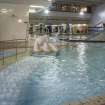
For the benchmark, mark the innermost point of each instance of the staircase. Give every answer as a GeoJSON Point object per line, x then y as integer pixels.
{"type": "Point", "coordinates": [98, 36]}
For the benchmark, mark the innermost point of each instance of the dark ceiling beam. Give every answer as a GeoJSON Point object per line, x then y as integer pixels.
{"type": "Point", "coordinates": [88, 2]}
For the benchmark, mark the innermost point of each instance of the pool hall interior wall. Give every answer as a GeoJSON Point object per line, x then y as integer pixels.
{"type": "Point", "coordinates": [98, 15]}
{"type": "Point", "coordinates": [10, 28]}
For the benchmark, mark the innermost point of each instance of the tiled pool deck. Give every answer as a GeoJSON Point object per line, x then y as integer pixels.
{"type": "Point", "coordinates": [99, 100]}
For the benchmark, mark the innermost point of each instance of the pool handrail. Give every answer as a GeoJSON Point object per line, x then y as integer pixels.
{"type": "Point", "coordinates": [5, 44]}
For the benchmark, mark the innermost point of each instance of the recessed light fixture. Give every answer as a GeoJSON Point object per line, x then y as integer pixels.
{"type": "Point", "coordinates": [46, 11]}
{"type": "Point", "coordinates": [81, 13]}
{"type": "Point", "coordinates": [35, 6]}
{"type": "Point", "coordinates": [4, 10]}
{"type": "Point", "coordinates": [84, 9]}
{"type": "Point", "coordinates": [84, 24]}
{"type": "Point", "coordinates": [32, 10]}
{"type": "Point", "coordinates": [20, 20]}
{"type": "Point", "coordinates": [79, 25]}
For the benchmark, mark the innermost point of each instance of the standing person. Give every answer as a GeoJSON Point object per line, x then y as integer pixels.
{"type": "Point", "coordinates": [41, 28]}
{"type": "Point", "coordinates": [56, 29]}
{"type": "Point", "coordinates": [50, 29]}
{"type": "Point", "coordinates": [31, 30]}
{"type": "Point", "coordinates": [67, 28]}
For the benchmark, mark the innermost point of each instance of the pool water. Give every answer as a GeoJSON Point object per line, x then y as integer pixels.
{"type": "Point", "coordinates": [76, 74]}
{"type": "Point", "coordinates": [7, 53]}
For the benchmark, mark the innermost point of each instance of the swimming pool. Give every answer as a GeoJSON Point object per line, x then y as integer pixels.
{"type": "Point", "coordinates": [76, 74]}
{"type": "Point", "coordinates": [7, 53]}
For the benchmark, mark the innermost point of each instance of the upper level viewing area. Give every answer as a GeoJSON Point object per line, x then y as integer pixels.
{"type": "Point", "coordinates": [17, 15]}
{"type": "Point", "coordinates": [70, 7]}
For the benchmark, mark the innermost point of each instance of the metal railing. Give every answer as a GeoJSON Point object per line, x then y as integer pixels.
{"type": "Point", "coordinates": [14, 45]}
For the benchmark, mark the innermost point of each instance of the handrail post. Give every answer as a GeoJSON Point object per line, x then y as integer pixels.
{"type": "Point", "coordinates": [25, 45]}
{"type": "Point", "coordinates": [3, 53]}
{"type": "Point", "coordinates": [4, 46]}
{"type": "Point", "coordinates": [16, 50]}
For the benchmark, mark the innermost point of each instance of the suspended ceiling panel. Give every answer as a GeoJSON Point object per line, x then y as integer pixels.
{"type": "Point", "coordinates": [98, 1]}
{"type": "Point", "coordinates": [41, 2]}
{"type": "Point", "coordinates": [46, 1]}
{"type": "Point", "coordinates": [81, 1]}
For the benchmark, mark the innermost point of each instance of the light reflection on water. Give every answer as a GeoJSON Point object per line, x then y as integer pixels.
{"type": "Point", "coordinates": [75, 74]}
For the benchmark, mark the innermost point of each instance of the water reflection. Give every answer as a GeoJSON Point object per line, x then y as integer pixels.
{"type": "Point", "coordinates": [81, 50]}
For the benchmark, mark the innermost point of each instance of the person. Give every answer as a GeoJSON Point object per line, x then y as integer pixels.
{"type": "Point", "coordinates": [56, 29]}
{"type": "Point", "coordinates": [41, 28]}
{"type": "Point", "coordinates": [42, 45]}
{"type": "Point", "coordinates": [31, 30]}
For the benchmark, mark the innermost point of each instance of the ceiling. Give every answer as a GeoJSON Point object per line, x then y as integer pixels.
{"type": "Point", "coordinates": [45, 2]}
{"type": "Point", "coordinates": [82, 1]}
{"type": "Point", "coordinates": [37, 2]}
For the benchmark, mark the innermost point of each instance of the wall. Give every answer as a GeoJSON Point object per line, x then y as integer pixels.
{"type": "Point", "coordinates": [9, 26]}
{"type": "Point", "coordinates": [59, 17]}
{"type": "Point", "coordinates": [98, 15]}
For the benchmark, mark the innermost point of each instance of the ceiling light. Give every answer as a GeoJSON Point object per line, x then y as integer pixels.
{"type": "Point", "coordinates": [84, 24]}
{"type": "Point", "coordinates": [20, 20]}
{"type": "Point", "coordinates": [34, 6]}
{"type": "Point", "coordinates": [4, 10]}
{"type": "Point", "coordinates": [46, 11]}
{"type": "Point", "coordinates": [81, 13]}
{"type": "Point", "coordinates": [79, 25]}
{"type": "Point", "coordinates": [84, 9]}
{"type": "Point", "coordinates": [32, 10]}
